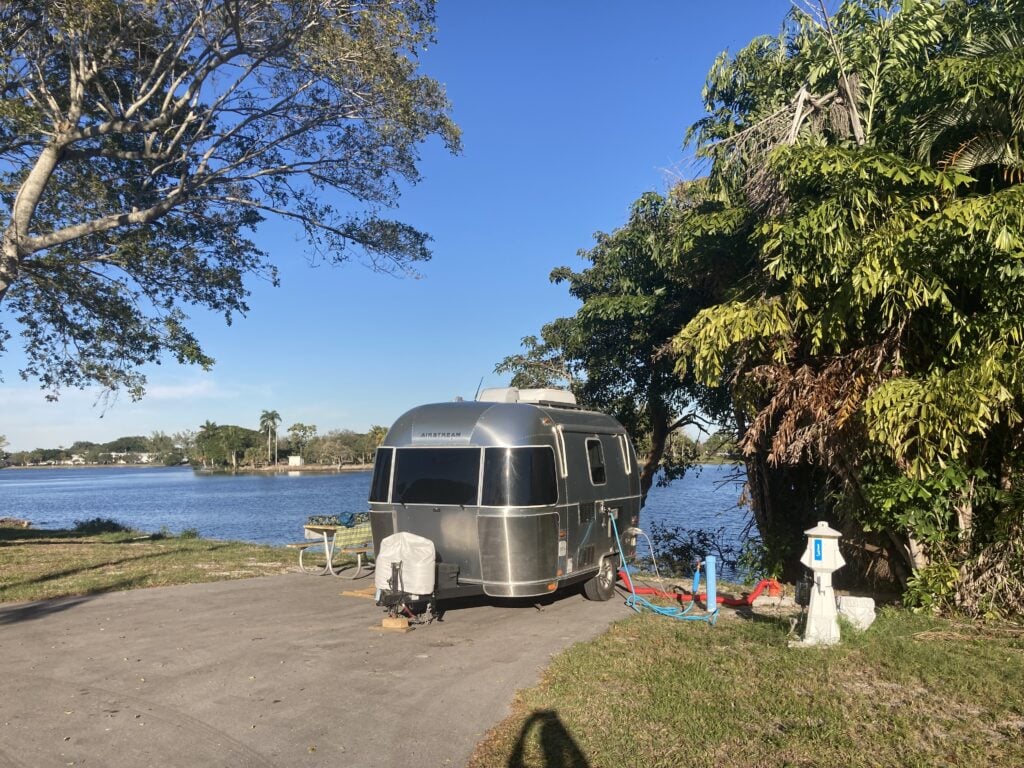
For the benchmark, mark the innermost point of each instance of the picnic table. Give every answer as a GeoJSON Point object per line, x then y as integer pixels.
{"type": "Point", "coordinates": [337, 539]}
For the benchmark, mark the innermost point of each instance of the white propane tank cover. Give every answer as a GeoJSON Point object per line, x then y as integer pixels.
{"type": "Point", "coordinates": [822, 554]}
{"type": "Point", "coordinates": [417, 556]}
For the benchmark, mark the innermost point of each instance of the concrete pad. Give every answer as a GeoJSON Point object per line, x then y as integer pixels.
{"type": "Point", "coordinates": [277, 671]}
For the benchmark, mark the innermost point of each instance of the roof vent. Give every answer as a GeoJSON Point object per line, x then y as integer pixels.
{"type": "Point", "coordinates": [516, 395]}
{"type": "Point", "coordinates": [499, 395]}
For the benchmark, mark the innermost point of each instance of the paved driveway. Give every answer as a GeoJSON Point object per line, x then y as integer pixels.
{"type": "Point", "coordinates": [278, 671]}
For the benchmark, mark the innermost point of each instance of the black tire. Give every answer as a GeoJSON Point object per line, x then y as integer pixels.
{"type": "Point", "coordinates": [602, 586]}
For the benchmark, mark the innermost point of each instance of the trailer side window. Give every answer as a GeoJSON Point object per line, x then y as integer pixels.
{"type": "Point", "coordinates": [381, 483]}
{"type": "Point", "coordinates": [519, 477]}
{"type": "Point", "coordinates": [595, 458]}
{"type": "Point", "coordinates": [436, 476]}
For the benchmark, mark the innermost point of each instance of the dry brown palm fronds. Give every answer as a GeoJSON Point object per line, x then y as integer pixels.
{"type": "Point", "coordinates": [744, 155]}
{"type": "Point", "coordinates": [810, 415]}
{"type": "Point", "coordinates": [992, 584]}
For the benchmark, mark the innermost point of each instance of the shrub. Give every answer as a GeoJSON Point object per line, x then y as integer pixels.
{"type": "Point", "coordinates": [99, 525]}
{"type": "Point", "coordinates": [678, 549]}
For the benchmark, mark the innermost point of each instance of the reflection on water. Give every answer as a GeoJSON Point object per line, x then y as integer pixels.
{"type": "Point", "coordinates": [270, 508]}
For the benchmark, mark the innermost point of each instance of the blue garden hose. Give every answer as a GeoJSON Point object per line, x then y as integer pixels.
{"type": "Point", "coordinates": [639, 603]}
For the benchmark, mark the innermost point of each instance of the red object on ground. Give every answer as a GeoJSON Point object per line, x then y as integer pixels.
{"type": "Point", "coordinates": [772, 585]}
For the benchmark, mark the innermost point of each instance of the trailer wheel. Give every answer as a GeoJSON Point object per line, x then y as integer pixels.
{"type": "Point", "coordinates": [602, 586]}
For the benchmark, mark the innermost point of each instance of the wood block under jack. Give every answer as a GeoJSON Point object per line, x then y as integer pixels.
{"type": "Point", "coordinates": [394, 624]}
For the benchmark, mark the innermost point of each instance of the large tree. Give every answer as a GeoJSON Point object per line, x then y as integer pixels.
{"type": "Point", "coordinates": [221, 445]}
{"type": "Point", "coordinates": [876, 349]}
{"type": "Point", "coordinates": [141, 144]}
{"type": "Point", "coordinates": [633, 298]}
{"type": "Point", "coordinates": [299, 436]}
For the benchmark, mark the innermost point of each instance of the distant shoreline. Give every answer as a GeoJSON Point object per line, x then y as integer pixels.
{"type": "Point", "coordinates": [280, 468]}
{"type": "Point", "coordinates": [90, 466]}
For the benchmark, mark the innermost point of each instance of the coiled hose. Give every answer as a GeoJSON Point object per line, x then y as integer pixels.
{"type": "Point", "coordinates": [639, 603]}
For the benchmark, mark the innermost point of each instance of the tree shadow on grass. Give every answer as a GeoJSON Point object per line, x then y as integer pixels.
{"type": "Point", "coordinates": [41, 536]}
{"type": "Point", "coordinates": [35, 535]}
{"type": "Point", "coordinates": [113, 586]}
{"type": "Point", "coordinates": [559, 749]}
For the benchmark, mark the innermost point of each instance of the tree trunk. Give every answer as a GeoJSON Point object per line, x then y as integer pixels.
{"type": "Point", "coordinates": [918, 558]}
{"type": "Point", "coordinates": [659, 436]}
{"type": "Point", "coordinates": [22, 211]}
{"type": "Point", "coordinates": [10, 262]}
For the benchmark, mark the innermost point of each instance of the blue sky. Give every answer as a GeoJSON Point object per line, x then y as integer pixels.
{"type": "Point", "coordinates": [570, 110]}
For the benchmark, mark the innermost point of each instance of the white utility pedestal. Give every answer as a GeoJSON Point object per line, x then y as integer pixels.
{"type": "Point", "coordinates": [823, 558]}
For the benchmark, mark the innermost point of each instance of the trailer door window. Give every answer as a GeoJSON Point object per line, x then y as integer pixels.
{"type": "Point", "coordinates": [381, 474]}
{"type": "Point", "coordinates": [436, 476]}
{"type": "Point", "coordinates": [519, 477]}
{"type": "Point", "coordinates": [595, 458]}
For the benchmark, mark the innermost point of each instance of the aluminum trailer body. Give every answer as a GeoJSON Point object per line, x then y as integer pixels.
{"type": "Point", "coordinates": [516, 491]}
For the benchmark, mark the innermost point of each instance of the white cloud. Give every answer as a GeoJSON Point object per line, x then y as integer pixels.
{"type": "Point", "coordinates": [189, 390]}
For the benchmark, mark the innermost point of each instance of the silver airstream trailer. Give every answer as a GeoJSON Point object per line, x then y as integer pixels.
{"type": "Point", "coordinates": [516, 490]}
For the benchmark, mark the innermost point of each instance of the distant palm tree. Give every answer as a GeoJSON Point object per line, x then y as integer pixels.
{"type": "Point", "coordinates": [268, 423]}
{"type": "Point", "coordinates": [204, 440]}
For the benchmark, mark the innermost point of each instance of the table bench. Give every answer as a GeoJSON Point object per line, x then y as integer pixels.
{"type": "Point", "coordinates": [332, 538]}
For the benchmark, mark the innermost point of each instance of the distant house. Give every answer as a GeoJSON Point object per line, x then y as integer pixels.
{"type": "Point", "coordinates": [128, 457]}
{"type": "Point", "coordinates": [295, 461]}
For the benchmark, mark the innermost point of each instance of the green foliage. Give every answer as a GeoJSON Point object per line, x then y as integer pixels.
{"type": "Point", "coordinates": [932, 587]}
{"type": "Point", "coordinates": [759, 560]}
{"type": "Point", "coordinates": [143, 143]}
{"type": "Point", "coordinates": [97, 525]}
{"type": "Point", "coordinates": [720, 446]}
{"type": "Point", "coordinates": [762, 326]}
{"type": "Point", "coordinates": [223, 445]}
{"type": "Point", "coordinates": [299, 436]}
{"type": "Point", "coordinates": [679, 549]}
{"type": "Point", "coordinates": [878, 331]}
{"type": "Point", "coordinates": [932, 506]}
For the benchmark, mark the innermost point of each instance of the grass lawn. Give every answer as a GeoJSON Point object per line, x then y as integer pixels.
{"type": "Point", "coordinates": [911, 691]}
{"type": "Point", "coordinates": [40, 564]}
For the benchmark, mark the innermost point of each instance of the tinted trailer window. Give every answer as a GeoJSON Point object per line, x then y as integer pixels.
{"type": "Point", "coordinates": [436, 476]}
{"type": "Point", "coordinates": [519, 477]}
{"type": "Point", "coordinates": [381, 475]}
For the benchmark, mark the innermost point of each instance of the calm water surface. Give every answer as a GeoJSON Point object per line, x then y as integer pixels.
{"type": "Point", "coordinates": [271, 508]}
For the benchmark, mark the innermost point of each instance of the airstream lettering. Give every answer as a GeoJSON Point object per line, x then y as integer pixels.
{"type": "Point", "coordinates": [515, 490]}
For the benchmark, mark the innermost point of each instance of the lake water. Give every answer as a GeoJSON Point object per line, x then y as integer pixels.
{"type": "Point", "coordinates": [271, 508]}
